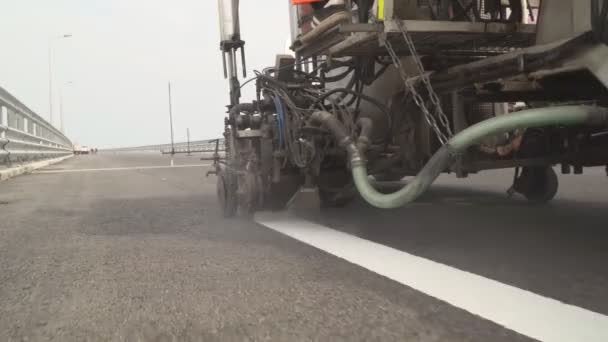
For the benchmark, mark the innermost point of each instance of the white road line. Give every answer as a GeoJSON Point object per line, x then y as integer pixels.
{"type": "Point", "coordinates": [527, 313]}
{"type": "Point", "coordinates": [123, 168]}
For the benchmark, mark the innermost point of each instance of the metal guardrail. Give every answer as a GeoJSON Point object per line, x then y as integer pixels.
{"type": "Point", "coordinates": [25, 136]}
{"type": "Point", "coordinates": [195, 147]}
{"type": "Point", "coordinates": [198, 146]}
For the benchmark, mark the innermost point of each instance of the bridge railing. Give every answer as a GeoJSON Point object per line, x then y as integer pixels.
{"type": "Point", "coordinates": [25, 136]}
{"type": "Point", "coordinates": [198, 146]}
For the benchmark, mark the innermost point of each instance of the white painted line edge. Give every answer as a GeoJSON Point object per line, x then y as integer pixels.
{"type": "Point", "coordinates": [527, 313]}
{"type": "Point", "coordinates": [123, 168]}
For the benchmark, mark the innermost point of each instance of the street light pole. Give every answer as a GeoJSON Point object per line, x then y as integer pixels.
{"type": "Point", "coordinates": [51, 40]}
{"type": "Point", "coordinates": [188, 140]}
{"type": "Point", "coordinates": [61, 110]}
{"type": "Point", "coordinates": [171, 125]}
{"type": "Point", "coordinates": [50, 82]}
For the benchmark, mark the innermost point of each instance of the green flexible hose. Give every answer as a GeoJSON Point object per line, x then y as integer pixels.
{"type": "Point", "coordinates": [541, 117]}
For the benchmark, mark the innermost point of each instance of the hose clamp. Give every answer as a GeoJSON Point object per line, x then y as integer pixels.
{"type": "Point", "coordinates": [354, 162]}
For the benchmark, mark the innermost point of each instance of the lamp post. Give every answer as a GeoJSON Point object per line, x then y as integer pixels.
{"type": "Point", "coordinates": [171, 124]}
{"type": "Point", "coordinates": [51, 40]}
{"type": "Point", "coordinates": [188, 140]}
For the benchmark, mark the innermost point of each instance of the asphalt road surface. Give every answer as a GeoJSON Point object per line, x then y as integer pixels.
{"type": "Point", "coordinates": [122, 247]}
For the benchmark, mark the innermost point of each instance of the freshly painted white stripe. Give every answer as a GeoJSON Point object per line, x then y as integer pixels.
{"type": "Point", "coordinates": [123, 168]}
{"type": "Point", "coordinates": [530, 314]}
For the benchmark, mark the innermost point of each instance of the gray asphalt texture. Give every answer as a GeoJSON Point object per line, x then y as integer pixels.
{"type": "Point", "coordinates": [144, 255]}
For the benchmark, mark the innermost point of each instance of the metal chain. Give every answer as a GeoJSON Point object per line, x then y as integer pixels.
{"type": "Point", "coordinates": [410, 84]}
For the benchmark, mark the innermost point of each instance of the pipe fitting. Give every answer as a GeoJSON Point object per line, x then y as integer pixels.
{"type": "Point", "coordinates": [354, 156]}
{"type": "Point", "coordinates": [334, 125]}
{"type": "Point", "coordinates": [323, 27]}
{"type": "Point", "coordinates": [364, 139]}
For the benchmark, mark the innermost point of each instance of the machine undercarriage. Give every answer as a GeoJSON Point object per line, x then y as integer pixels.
{"type": "Point", "coordinates": [381, 90]}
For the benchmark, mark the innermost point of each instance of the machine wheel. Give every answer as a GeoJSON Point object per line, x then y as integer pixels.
{"type": "Point", "coordinates": [538, 184]}
{"type": "Point", "coordinates": [226, 194]}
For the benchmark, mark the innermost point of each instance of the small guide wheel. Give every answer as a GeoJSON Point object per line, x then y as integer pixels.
{"type": "Point", "coordinates": [538, 184]}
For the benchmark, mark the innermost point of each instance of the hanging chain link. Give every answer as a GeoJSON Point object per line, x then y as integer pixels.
{"type": "Point", "coordinates": [411, 83]}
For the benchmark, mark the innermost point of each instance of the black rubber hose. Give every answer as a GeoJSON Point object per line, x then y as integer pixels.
{"type": "Point", "coordinates": [599, 18]}
{"type": "Point", "coordinates": [242, 107]}
{"type": "Point", "coordinates": [336, 78]}
{"type": "Point", "coordinates": [273, 81]}
{"type": "Point", "coordinates": [595, 17]}
{"type": "Point", "coordinates": [335, 64]}
{"type": "Point", "coordinates": [602, 21]}
{"type": "Point", "coordinates": [517, 11]}
{"type": "Point", "coordinates": [364, 6]}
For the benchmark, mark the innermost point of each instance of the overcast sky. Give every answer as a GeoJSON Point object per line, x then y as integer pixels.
{"type": "Point", "coordinates": [120, 58]}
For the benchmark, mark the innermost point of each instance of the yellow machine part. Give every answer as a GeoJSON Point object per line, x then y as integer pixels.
{"type": "Point", "coordinates": [381, 10]}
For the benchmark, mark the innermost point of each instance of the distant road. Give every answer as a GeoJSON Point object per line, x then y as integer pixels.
{"type": "Point", "coordinates": [124, 247]}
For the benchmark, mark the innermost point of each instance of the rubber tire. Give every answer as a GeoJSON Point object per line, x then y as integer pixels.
{"type": "Point", "coordinates": [544, 186]}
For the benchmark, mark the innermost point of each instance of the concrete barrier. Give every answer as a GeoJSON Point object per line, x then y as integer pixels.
{"type": "Point", "coordinates": [17, 170]}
